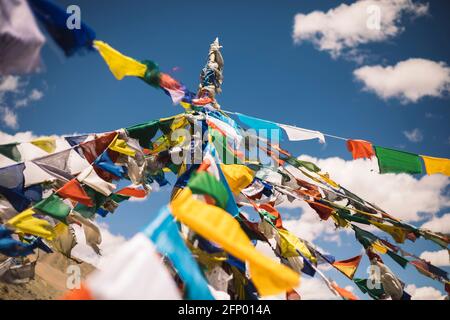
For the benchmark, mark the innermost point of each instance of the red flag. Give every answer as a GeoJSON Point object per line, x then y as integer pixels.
{"type": "Point", "coordinates": [92, 149]}
{"type": "Point", "coordinates": [74, 191]}
{"type": "Point", "coordinates": [322, 210]}
{"type": "Point", "coordinates": [132, 192]}
{"type": "Point", "coordinates": [274, 212]}
{"type": "Point", "coordinates": [360, 149]}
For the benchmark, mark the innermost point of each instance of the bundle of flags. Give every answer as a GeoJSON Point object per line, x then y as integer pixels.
{"type": "Point", "coordinates": [202, 245]}
{"type": "Point", "coordinates": [50, 183]}
{"type": "Point", "coordinates": [389, 160]}
{"type": "Point", "coordinates": [395, 161]}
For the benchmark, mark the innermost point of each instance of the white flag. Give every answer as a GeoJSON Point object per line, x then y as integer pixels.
{"type": "Point", "coordinates": [20, 38]}
{"type": "Point", "coordinates": [134, 272]}
{"type": "Point", "coordinates": [91, 178]}
{"type": "Point", "coordinates": [296, 134]}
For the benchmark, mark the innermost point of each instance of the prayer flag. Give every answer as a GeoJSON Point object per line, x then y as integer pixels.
{"type": "Point", "coordinates": [218, 226]}
{"type": "Point", "coordinates": [436, 165]}
{"type": "Point", "coordinates": [119, 64]}
{"type": "Point", "coordinates": [25, 222]}
{"type": "Point", "coordinates": [348, 267]}
{"type": "Point", "coordinates": [73, 190]}
{"type": "Point", "coordinates": [395, 161]}
{"type": "Point", "coordinates": [54, 207]}
{"type": "Point", "coordinates": [360, 149]}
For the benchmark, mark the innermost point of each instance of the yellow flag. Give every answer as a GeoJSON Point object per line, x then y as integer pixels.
{"type": "Point", "coordinates": [179, 122]}
{"type": "Point", "coordinates": [289, 244]}
{"type": "Point", "coordinates": [238, 176]}
{"type": "Point", "coordinates": [25, 222]}
{"type": "Point", "coordinates": [399, 234]}
{"type": "Point", "coordinates": [348, 266]}
{"type": "Point", "coordinates": [119, 64]}
{"type": "Point", "coordinates": [219, 226]}
{"type": "Point", "coordinates": [339, 221]}
{"type": "Point", "coordinates": [437, 165]}
{"type": "Point", "coordinates": [46, 144]}
{"type": "Point", "coordinates": [327, 179]}
{"type": "Point", "coordinates": [121, 146]}
{"type": "Point", "coordinates": [64, 239]}
{"type": "Point", "coordinates": [185, 105]}
{"type": "Point", "coordinates": [379, 247]}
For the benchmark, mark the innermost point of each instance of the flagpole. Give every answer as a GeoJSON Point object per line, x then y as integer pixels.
{"type": "Point", "coordinates": [211, 76]}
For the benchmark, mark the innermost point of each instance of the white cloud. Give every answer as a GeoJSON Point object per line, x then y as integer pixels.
{"type": "Point", "coordinates": [315, 289]}
{"type": "Point", "coordinates": [9, 84]}
{"type": "Point", "coordinates": [34, 95]}
{"type": "Point", "coordinates": [423, 293]}
{"type": "Point", "coordinates": [401, 195]}
{"type": "Point", "coordinates": [13, 95]}
{"type": "Point", "coordinates": [309, 226]}
{"type": "Point", "coordinates": [9, 117]}
{"type": "Point", "coordinates": [24, 136]}
{"type": "Point", "coordinates": [414, 135]}
{"type": "Point", "coordinates": [439, 224]}
{"type": "Point", "coordinates": [109, 245]}
{"type": "Point", "coordinates": [343, 29]}
{"type": "Point", "coordinates": [409, 80]}
{"type": "Point", "coordinates": [437, 258]}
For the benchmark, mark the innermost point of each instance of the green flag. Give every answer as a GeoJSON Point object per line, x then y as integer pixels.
{"type": "Point", "coordinates": [225, 154]}
{"type": "Point", "coordinates": [144, 132]}
{"type": "Point", "coordinates": [375, 293]}
{"type": "Point", "coordinates": [397, 258]}
{"type": "Point", "coordinates": [395, 161]}
{"type": "Point", "coordinates": [98, 199]}
{"type": "Point", "coordinates": [152, 73]}
{"type": "Point", "coordinates": [301, 163]}
{"type": "Point", "coordinates": [205, 183]}
{"type": "Point", "coordinates": [345, 214]}
{"type": "Point", "coordinates": [364, 237]}
{"type": "Point", "coordinates": [54, 207]}
{"type": "Point", "coordinates": [118, 197]}
{"type": "Point", "coordinates": [10, 151]}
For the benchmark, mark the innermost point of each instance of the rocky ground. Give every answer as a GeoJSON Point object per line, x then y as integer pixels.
{"type": "Point", "coordinates": [49, 281]}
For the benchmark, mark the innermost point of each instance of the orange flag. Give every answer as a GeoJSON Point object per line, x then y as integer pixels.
{"type": "Point", "coordinates": [73, 190]}
{"type": "Point", "coordinates": [347, 295]}
{"type": "Point", "coordinates": [292, 295]}
{"type": "Point", "coordinates": [360, 149]}
{"type": "Point", "coordinates": [78, 294]}
{"type": "Point", "coordinates": [349, 266]}
{"type": "Point", "coordinates": [132, 192]}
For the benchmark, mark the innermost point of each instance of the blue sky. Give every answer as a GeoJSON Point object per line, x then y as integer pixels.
{"type": "Point", "coordinates": [265, 75]}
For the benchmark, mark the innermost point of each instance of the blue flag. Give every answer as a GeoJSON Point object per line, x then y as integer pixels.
{"type": "Point", "coordinates": [264, 127]}
{"type": "Point", "coordinates": [13, 248]}
{"type": "Point", "coordinates": [55, 20]}
{"type": "Point", "coordinates": [163, 232]}
{"type": "Point", "coordinates": [105, 162]}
